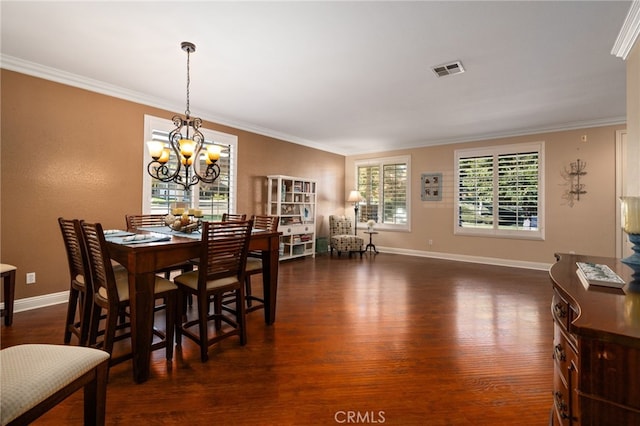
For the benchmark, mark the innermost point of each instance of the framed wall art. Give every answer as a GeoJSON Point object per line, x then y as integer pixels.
{"type": "Point", "coordinates": [431, 187]}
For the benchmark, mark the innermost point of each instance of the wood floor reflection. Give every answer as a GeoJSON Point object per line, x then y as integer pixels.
{"type": "Point", "coordinates": [383, 339]}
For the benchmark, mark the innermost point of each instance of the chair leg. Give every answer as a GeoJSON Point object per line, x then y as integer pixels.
{"type": "Point", "coordinates": [203, 308]}
{"type": "Point", "coordinates": [94, 324]}
{"type": "Point", "coordinates": [180, 316]}
{"type": "Point", "coordinates": [170, 314]}
{"type": "Point", "coordinates": [85, 315]}
{"type": "Point", "coordinates": [9, 293]}
{"type": "Point", "coordinates": [110, 331]}
{"type": "Point", "coordinates": [217, 310]}
{"type": "Point", "coordinates": [71, 314]}
{"type": "Point", "coordinates": [241, 316]}
{"type": "Point", "coordinates": [247, 290]}
{"type": "Point", "coordinates": [95, 396]}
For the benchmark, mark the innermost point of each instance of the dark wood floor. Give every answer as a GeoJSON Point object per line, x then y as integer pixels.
{"type": "Point", "coordinates": [385, 339]}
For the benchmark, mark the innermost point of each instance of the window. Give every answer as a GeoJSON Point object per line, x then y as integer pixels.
{"type": "Point", "coordinates": [500, 191]}
{"type": "Point", "coordinates": [214, 199]}
{"type": "Point", "coordinates": [385, 185]}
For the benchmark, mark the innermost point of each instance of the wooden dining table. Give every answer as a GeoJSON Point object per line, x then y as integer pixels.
{"type": "Point", "coordinates": [142, 260]}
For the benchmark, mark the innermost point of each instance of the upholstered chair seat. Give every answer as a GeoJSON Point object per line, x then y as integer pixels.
{"type": "Point", "coordinates": [36, 377]}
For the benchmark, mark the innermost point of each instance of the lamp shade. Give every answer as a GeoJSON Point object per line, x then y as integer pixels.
{"type": "Point", "coordinates": [213, 152]}
{"type": "Point", "coordinates": [155, 149]}
{"type": "Point", "coordinates": [354, 197]}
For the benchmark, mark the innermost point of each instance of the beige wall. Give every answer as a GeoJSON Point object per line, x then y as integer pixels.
{"type": "Point", "coordinates": [587, 227]}
{"type": "Point", "coordinates": [90, 149]}
{"type": "Point", "coordinates": [78, 154]}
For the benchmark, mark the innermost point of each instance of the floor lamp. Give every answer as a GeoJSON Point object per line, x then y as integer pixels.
{"type": "Point", "coordinates": [355, 198]}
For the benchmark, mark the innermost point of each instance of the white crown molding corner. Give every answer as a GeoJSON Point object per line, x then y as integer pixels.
{"type": "Point", "coordinates": [629, 32]}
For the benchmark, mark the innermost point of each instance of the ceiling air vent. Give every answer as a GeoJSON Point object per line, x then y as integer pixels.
{"type": "Point", "coordinates": [449, 69]}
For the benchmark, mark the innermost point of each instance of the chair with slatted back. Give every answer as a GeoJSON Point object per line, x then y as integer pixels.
{"type": "Point", "coordinates": [137, 221]}
{"type": "Point", "coordinates": [80, 285]}
{"type": "Point", "coordinates": [230, 217]}
{"type": "Point", "coordinates": [112, 295]}
{"type": "Point", "coordinates": [254, 260]}
{"type": "Point", "coordinates": [226, 217]}
{"type": "Point", "coordinates": [80, 288]}
{"type": "Point", "coordinates": [223, 258]}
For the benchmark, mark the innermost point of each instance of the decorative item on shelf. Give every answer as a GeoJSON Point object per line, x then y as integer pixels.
{"type": "Point", "coordinates": [187, 148]}
{"type": "Point", "coordinates": [631, 225]}
{"type": "Point", "coordinates": [572, 178]}
{"type": "Point", "coordinates": [370, 224]}
{"type": "Point", "coordinates": [355, 198]}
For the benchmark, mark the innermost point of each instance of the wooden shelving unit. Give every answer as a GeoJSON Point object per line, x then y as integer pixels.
{"type": "Point", "coordinates": [294, 200]}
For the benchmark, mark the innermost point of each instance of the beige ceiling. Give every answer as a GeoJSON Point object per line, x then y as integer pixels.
{"type": "Point", "coordinates": [346, 77]}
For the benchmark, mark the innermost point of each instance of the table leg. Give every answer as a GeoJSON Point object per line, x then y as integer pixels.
{"type": "Point", "coordinates": [142, 299]}
{"type": "Point", "coordinates": [371, 245]}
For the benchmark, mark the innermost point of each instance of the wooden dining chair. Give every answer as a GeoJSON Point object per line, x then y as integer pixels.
{"type": "Point", "coordinates": [80, 288]}
{"type": "Point", "coordinates": [136, 221]}
{"type": "Point", "coordinates": [112, 295]}
{"type": "Point", "coordinates": [223, 258]}
{"type": "Point", "coordinates": [254, 260]}
{"type": "Point", "coordinates": [226, 217]}
{"type": "Point", "coordinates": [80, 283]}
{"type": "Point", "coordinates": [230, 217]}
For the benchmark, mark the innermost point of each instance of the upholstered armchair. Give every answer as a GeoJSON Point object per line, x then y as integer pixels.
{"type": "Point", "coordinates": [341, 237]}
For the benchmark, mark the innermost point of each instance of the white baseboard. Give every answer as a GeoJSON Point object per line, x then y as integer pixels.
{"type": "Point", "coordinates": [470, 259]}
{"type": "Point", "coordinates": [36, 302]}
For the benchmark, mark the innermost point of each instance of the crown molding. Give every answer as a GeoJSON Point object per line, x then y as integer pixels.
{"type": "Point", "coordinates": [628, 33]}
{"type": "Point", "coordinates": [52, 74]}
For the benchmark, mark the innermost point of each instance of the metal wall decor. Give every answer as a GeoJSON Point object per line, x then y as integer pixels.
{"type": "Point", "coordinates": [572, 178]}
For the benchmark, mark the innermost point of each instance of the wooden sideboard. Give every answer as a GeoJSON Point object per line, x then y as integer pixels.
{"type": "Point", "coordinates": [596, 347]}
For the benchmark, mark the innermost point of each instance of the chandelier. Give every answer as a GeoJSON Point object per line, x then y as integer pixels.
{"type": "Point", "coordinates": [187, 148]}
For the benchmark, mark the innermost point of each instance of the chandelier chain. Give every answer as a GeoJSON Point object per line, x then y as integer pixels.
{"type": "Point", "coordinates": [188, 112]}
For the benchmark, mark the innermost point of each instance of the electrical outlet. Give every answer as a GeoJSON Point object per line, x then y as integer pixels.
{"type": "Point", "coordinates": [430, 243]}
{"type": "Point", "coordinates": [31, 277]}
